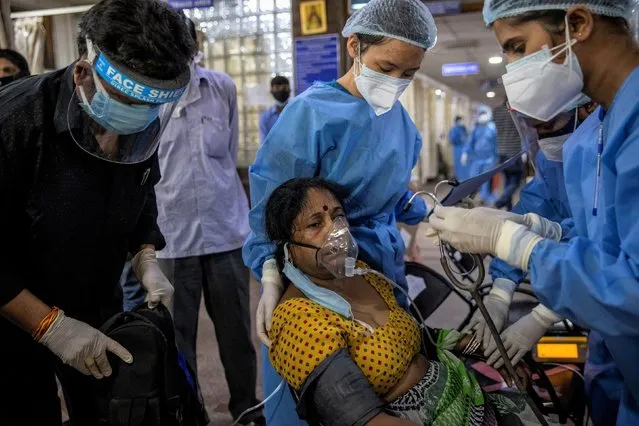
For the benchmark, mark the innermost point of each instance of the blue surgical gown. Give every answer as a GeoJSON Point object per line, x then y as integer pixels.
{"type": "Point", "coordinates": [329, 133]}
{"type": "Point", "coordinates": [457, 137]}
{"type": "Point", "coordinates": [593, 279]}
{"type": "Point", "coordinates": [546, 196]}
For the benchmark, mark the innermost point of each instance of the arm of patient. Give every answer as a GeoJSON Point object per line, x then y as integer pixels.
{"type": "Point", "coordinates": [338, 393]}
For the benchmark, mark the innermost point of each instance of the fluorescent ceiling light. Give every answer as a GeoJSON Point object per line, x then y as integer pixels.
{"type": "Point", "coordinates": [495, 60]}
{"type": "Point", "coordinates": [490, 95]}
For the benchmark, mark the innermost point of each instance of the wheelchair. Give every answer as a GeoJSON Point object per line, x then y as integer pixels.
{"type": "Point", "coordinates": [556, 362]}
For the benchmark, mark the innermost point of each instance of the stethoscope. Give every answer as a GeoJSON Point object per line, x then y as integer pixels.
{"type": "Point", "coordinates": [472, 286]}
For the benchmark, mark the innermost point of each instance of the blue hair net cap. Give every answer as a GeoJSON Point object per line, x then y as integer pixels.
{"type": "Point", "coordinates": [499, 9]}
{"type": "Point", "coordinates": [406, 20]}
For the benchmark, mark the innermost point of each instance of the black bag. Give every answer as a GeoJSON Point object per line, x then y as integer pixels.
{"type": "Point", "coordinates": [157, 389]}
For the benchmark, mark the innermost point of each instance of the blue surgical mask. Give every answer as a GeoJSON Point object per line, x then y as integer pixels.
{"type": "Point", "coordinates": [115, 116]}
{"type": "Point", "coordinates": [320, 295]}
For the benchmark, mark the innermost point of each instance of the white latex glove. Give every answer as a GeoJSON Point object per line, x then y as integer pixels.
{"type": "Point", "coordinates": [543, 227]}
{"type": "Point", "coordinates": [496, 214]}
{"type": "Point", "coordinates": [157, 286]}
{"type": "Point", "coordinates": [497, 304]}
{"type": "Point", "coordinates": [82, 346]}
{"type": "Point", "coordinates": [464, 159]}
{"type": "Point", "coordinates": [272, 290]}
{"type": "Point", "coordinates": [486, 231]}
{"type": "Point", "coordinates": [520, 337]}
{"type": "Point", "coordinates": [470, 230]}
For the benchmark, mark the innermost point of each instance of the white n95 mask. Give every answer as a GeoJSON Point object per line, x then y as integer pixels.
{"type": "Point", "coordinates": [381, 91]}
{"type": "Point", "coordinates": [540, 88]}
{"type": "Point", "coordinates": [553, 147]}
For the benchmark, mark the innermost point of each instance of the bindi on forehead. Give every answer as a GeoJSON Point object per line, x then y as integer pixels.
{"type": "Point", "coordinates": [325, 208]}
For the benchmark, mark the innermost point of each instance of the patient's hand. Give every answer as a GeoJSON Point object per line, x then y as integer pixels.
{"type": "Point", "coordinates": [522, 372]}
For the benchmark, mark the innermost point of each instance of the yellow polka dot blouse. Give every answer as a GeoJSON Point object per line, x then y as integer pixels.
{"type": "Point", "coordinates": [304, 334]}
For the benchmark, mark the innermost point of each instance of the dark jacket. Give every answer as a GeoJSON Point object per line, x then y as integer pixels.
{"type": "Point", "coordinates": [68, 219]}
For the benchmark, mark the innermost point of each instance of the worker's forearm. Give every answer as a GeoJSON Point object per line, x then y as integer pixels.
{"type": "Point", "coordinates": [386, 420]}
{"type": "Point", "coordinates": [26, 311]}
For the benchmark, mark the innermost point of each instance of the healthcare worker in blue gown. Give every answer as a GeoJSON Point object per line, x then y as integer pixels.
{"type": "Point", "coordinates": [354, 132]}
{"type": "Point", "coordinates": [591, 277]}
{"type": "Point", "coordinates": [457, 137]}
{"type": "Point", "coordinates": [546, 196]}
{"type": "Point", "coordinates": [481, 152]}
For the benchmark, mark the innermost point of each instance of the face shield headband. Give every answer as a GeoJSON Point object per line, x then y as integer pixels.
{"type": "Point", "coordinates": [123, 132]}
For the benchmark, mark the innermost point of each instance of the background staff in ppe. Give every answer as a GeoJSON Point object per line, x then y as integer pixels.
{"type": "Point", "coordinates": [354, 132]}
{"type": "Point", "coordinates": [557, 49]}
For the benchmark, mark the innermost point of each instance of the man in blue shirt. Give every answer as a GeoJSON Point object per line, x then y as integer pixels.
{"type": "Point", "coordinates": [203, 214]}
{"type": "Point", "coordinates": [281, 91]}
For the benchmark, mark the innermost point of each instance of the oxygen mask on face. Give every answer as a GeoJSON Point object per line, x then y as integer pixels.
{"type": "Point", "coordinates": [338, 252]}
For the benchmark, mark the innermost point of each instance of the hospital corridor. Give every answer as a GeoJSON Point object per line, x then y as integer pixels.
{"type": "Point", "coordinates": [319, 212]}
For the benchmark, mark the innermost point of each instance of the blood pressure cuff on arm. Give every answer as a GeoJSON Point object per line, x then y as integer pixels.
{"type": "Point", "coordinates": [338, 394]}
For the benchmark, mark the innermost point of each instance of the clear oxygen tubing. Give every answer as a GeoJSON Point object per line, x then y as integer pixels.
{"type": "Point", "coordinates": [261, 404]}
{"type": "Point", "coordinates": [422, 325]}
{"type": "Point", "coordinates": [472, 286]}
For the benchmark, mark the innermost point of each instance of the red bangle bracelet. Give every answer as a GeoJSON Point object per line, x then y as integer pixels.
{"type": "Point", "coordinates": [45, 324]}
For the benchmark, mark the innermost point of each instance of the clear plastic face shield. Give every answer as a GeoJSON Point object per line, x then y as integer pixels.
{"type": "Point", "coordinates": [122, 113]}
{"type": "Point", "coordinates": [339, 251]}
{"type": "Point", "coordinates": [547, 136]}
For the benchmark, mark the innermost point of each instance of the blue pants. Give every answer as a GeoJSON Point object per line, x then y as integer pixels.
{"type": "Point", "coordinates": [132, 292]}
{"type": "Point", "coordinates": [460, 172]}
{"type": "Point", "coordinates": [477, 167]}
{"type": "Point", "coordinates": [280, 409]}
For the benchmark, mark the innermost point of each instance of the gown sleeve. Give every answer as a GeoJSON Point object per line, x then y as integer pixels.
{"type": "Point", "coordinates": [291, 150]}
{"type": "Point", "coordinates": [419, 208]}
{"type": "Point", "coordinates": [534, 198]}
{"type": "Point", "coordinates": [596, 285]}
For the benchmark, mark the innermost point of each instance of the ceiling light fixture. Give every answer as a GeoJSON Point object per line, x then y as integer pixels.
{"type": "Point", "coordinates": [495, 60]}
{"type": "Point", "coordinates": [490, 95]}
{"type": "Point", "coordinates": [438, 92]}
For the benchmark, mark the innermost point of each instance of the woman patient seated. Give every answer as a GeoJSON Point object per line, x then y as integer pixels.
{"type": "Point", "coordinates": [339, 338]}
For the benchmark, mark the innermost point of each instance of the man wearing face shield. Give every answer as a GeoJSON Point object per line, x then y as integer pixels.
{"type": "Point", "coordinates": [77, 167]}
{"type": "Point", "coordinates": [591, 276]}
{"type": "Point", "coordinates": [13, 66]}
{"type": "Point", "coordinates": [354, 132]}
